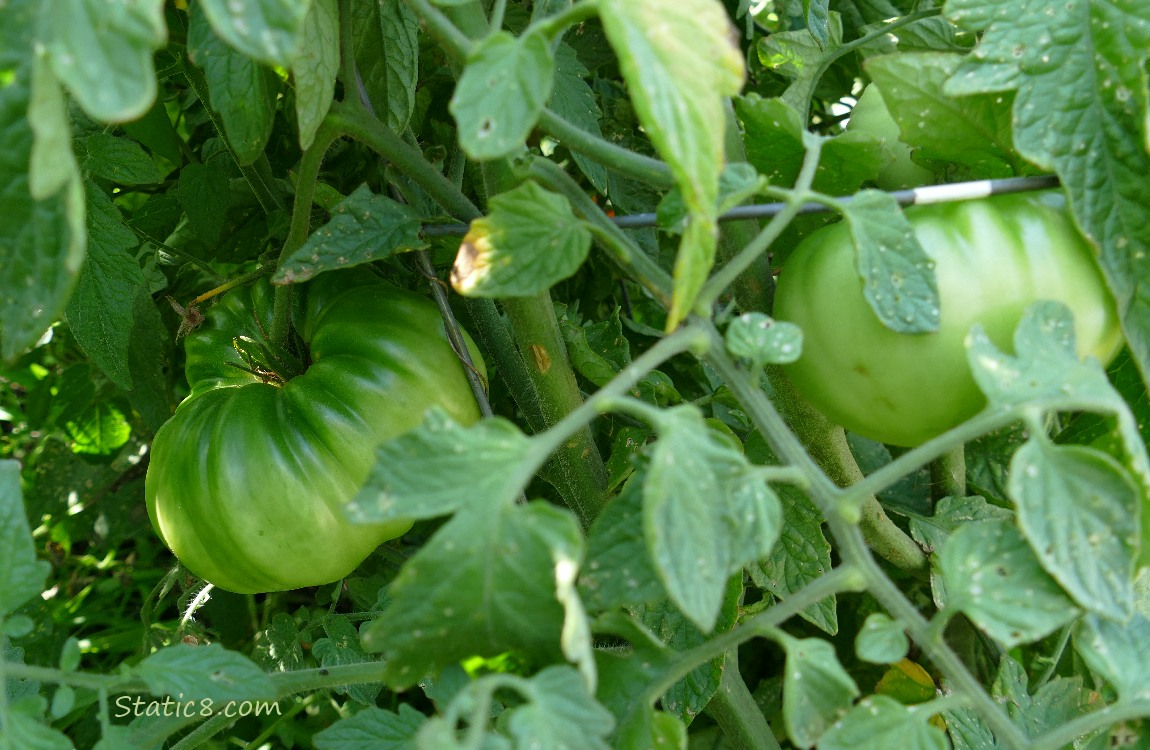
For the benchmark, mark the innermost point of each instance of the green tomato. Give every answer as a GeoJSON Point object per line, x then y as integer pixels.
{"type": "Point", "coordinates": [993, 257]}
{"type": "Point", "coordinates": [871, 116]}
{"type": "Point", "coordinates": [246, 479]}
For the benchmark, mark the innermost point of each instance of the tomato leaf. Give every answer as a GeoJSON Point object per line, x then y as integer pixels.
{"type": "Point", "coordinates": [763, 341]}
{"type": "Point", "coordinates": [103, 53]}
{"type": "Point", "coordinates": [529, 241]}
{"type": "Point", "coordinates": [22, 576]}
{"type": "Point", "coordinates": [574, 100]}
{"type": "Point", "coordinates": [26, 732]}
{"type": "Point", "coordinates": [314, 66]}
{"type": "Point", "coordinates": [209, 672]}
{"type": "Point", "coordinates": [802, 555]}
{"type": "Point", "coordinates": [1079, 510]}
{"type": "Point", "coordinates": [363, 227]}
{"type": "Point", "coordinates": [203, 194]}
{"type": "Point", "coordinates": [119, 160]}
{"type": "Point", "coordinates": [560, 713]}
{"type": "Point", "coordinates": [898, 276]}
{"type": "Point", "coordinates": [880, 722]}
{"type": "Point", "coordinates": [400, 27]}
{"type": "Point", "coordinates": [42, 242]}
{"type": "Point", "coordinates": [241, 90]}
{"type": "Point", "coordinates": [374, 728]}
{"type": "Point", "coordinates": [972, 132]}
{"type": "Point", "coordinates": [706, 513]}
{"type": "Point", "coordinates": [465, 592]}
{"type": "Point", "coordinates": [440, 467]}
{"type": "Point", "coordinates": [618, 569]}
{"type": "Point", "coordinates": [968, 731]}
{"type": "Point", "coordinates": [773, 133]}
{"type": "Point", "coordinates": [798, 56]}
{"type": "Point", "coordinates": [678, 72]}
{"type": "Point", "coordinates": [1115, 650]}
{"type": "Point", "coordinates": [1053, 704]}
{"type": "Point", "coordinates": [881, 640]}
{"type": "Point", "coordinates": [817, 691]}
{"type": "Point", "coordinates": [1047, 373]}
{"type": "Point", "coordinates": [990, 573]}
{"type": "Point", "coordinates": [100, 311]}
{"type": "Point", "coordinates": [266, 30]}
{"type": "Point", "coordinates": [341, 646]}
{"type": "Point", "coordinates": [501, 94]}
{"type": "Point", "coordinates": [1092, 136]}
{"type": "Point", "coordinates": [53, 161]}
{"type": "Point", "coordinates": [689, 696]}
{"type": "Point", "coordinates": [950, 514]}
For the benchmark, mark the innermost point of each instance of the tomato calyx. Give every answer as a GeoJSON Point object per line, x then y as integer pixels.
{"type": "Point", "coordinates": [271, 363]}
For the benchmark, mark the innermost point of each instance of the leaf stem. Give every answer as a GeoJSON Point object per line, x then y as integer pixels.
{"type": "Point", "coordinates": [727, 275]}
{"type": "Point", "coordinates": [734, 709]}
{"type": "Point", "coordinates": [309, 166]}
{"type": "Point", "coordinates": [621, 160]}
{"type": "Point", "coordinates": [453, 41]}
{"type": "Point", "coordinates": [555, 26]}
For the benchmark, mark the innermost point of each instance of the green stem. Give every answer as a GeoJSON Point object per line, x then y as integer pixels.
{"type": "Point", "coordinates": [555, 26]}
{"type": "Point", "coordinates": [357, 123]}
{"type": "Point", "coordinates": [842, 578]}
{"type": "Point", "coordinates": [688, 338]}
{"type": "Point", "coordinates": [300, 223]}
{"type": "Point", "coordinates": [754, 288]}
{"type": "Point", "coordinates": [827, 444]}
{"type": "Point", "coordinates": [750, 254]}
{"type": "Point", "coordinates": [734, 709]}
{"type": "Point", "coordinates": [453, 41]}
{"type": "Point", "coordinates": [582, 476]}
{"type": "Point", "coordinates": [615, 158]}
{"type": "Point", "coordinates": [1065, 734]}
{"type": "Point", "coordinates": [268, 199]}
{"type": "Point", "coordinates": [948, 473]}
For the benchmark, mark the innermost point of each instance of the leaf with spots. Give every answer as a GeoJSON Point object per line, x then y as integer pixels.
{"type": "Point", "coordinates": [817, 691]}
{"type": "Point", "coordinates": [441, 467]}
{"type": "Point", "coordinates": [898, 275]}
{"type": "Point", "coordinates": [991, 575]}
{"type": "Point", "coordinates": [119, 160]}
{"type": "Point", "coordinates": [1079, 510]}
{"type": "Point", "coordinates": [1078, 70]}
{"type": "Point", "coordinates": [529, 241]}
{"type": "Point", "coordinates": [1047, 372]}
{"type": "Point", "coordinates": [764, 341]}
{"type": "Point", "coordinates": [968, 137]}
{"type": "Point", "coordinates": [501, 94]}
{"type": "Point", "coordinates": [802, 555]}
{"type": "Point", "coordinates": [208, 672]}
{"type": "Point", "coordinates": [364, 227]}
{"type": "Point", "coordinates": [707, 512]}
{"type": "Point", "coordinates": [879, 723]}
{"type": "Point", "coordinates": [1118, 652]}
{"type": "Point", "coordinates": [619, 571]}
{"type": "Point", "coordinates": [484, 584]}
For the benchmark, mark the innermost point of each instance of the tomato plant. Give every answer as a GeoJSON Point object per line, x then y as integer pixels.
{"type": "Point", "coordinates": [870, 115]}
{"type": "Point", "coordinates": [992, 258]}
{"type": "Point", "coordinates": [247, 478]}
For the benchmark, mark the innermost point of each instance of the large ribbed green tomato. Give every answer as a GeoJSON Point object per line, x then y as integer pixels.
{"type": "Point", "coordinates": [993, 257]}
{"type": "Point", "coordinates": [246, 479]}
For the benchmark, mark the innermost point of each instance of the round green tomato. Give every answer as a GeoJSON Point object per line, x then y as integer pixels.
{"type": "Point", "coordinates": [992, 257]}
{"type": "Point", "coordinates": [871, 116]}
{"type": "Point", "coordinates": [246, 479]}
